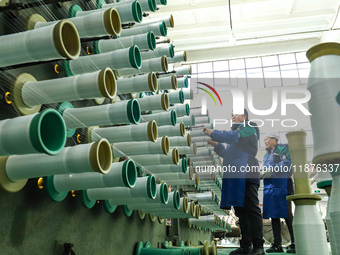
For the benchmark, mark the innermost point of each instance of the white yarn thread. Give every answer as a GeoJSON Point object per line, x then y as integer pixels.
{"type": "Point", "coordinates": [135, 133]}
{"type": "Point", "coordinates": [29, 46]}
{"type": "Point", "coordinates": [108, 114]}
{"type": "Point", "coordinates": [15, 136]}
{"type": "Point", "coordinates": [145, 160]}
{"type": "Point", "coordinates": [184, 150]}
{"type": "Point", "coordinates": [59, 90]}
{"type": "Point", "coordinates": [188, 93]}
{"type": "Point", "coordinates": [143, 3]}
{"type": "Point", "coordinates": [188, 120]}
{"type": "Point", "coordinates": [124, 10]}
{"type": "Point", "coordinates": [108, 45]}
{"type": "Point", "coordinates": [196, 133]}
{"type": "Point", "coordinates": [202, 120]}
{"type": "Point", "coordinates": [201, 152]}
{"type": "Point", "coordinates": [197, 112]}
{"type": "Point", "coordinates": [91, 25]}
{"type": "Point", "coordinates": [200, 159]}
{"type": "Point", "coordinates": [323, 85]}
{"type": "Point", "coordinates": [115, 60]}
{"type": "Point", "coordinates": [135, 84]}
{"type": "Point", "coordinates": [162, 119]}
{"type": "Point", "coordinates": [201, 126]}
{"type": "Point", "coordinates": [118, 195]}
{"type": "Point", "coordinates": [155, 27]}
{"type": "Point", "coordinates": [74, 159]}
{"type": "Point", "coordinates": [179, 141]}
{"type": "Point", "coordinates": [151, 103]}
{"type": "Point", "coordinates": [166, 19]}
{"type": "Point", "coordinates": [182, 82]}
{"type": "Point", "coordinates": [170, 130]}
{"type": "Point", "coordinates": [115, 178]}
{"type": "Point", "coordinates": [175, 97]}
{"type": "Point", "coordinates": [149, 203]}
{"type": "Point", "coordinates": [169, 205]}
{"type": "Point", "coordinates": [309, 231]}
{"type": "Point", "coordinates": [179, 57]}
{"type": "Point", "coordinates": [160, 51]}
{"type": "Point", "coordinates": [184, 70]}
{"type": "Point", "coordinates": [172, 176]}
{"type": "Point", "coordinates": [166, 168]}
{"type": "Point", "coordinates": [148, 65]}
{"type": "Point", "coordinates": [137, 148]}
{"type": "Point", "coordinates": [180, 109]}
{"type": "Point", "coordinates": [166, 82]}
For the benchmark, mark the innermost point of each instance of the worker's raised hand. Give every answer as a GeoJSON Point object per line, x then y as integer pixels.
{"type": "Point", "coordinates": [212, 143]}
{"type": "Point", "coordinates": [207, 131]}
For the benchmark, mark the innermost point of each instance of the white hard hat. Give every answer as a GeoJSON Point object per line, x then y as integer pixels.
{"type": "Point", "coordinates": [272, 135]}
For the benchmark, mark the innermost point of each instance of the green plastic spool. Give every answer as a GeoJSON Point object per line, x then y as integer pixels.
{"type": "Point", "coordinates": [135, 57]}
{"type": "Point", "coordinates": [181, 96]}
{"type": "Point", "coordinates": [152, 187]}
{"type": "Point", "coordinates": [164, 2]}
{"type": "Point", "coordinates": [66, 68]}
{"type": "Point", "coordinates": [177, 200]}
{"type": "Point", "coordinates": [324, 184]}
{"type": "Point", "coordinates": [151, 40]}
{"type": "Point", "coordinates": [95, 47]}
{"type": "Point", "coordinates": [61, 108]}
{"type": "Point", "coordinates": [108, 207]}
{"type": "Point", "coordinates": [51, 192]}
{"type": "Point", "coordinates": [134, 111]}
{"type": "Point", "coordinates": [137, 11]}
{"type": "Point", "coordinates": [185, 165]}
{"type": "Point", "coordinates": [165, 193]}
{"type": "Point", "coordinates": [48, 132]}
{"type": "Point", "coordinates": [171, 50]}
{"type": "Point", "coordinates": [127, 212]}
{"type": "Point", "coordinates": [72, 12]}
{"type": "Point", "coordinates": [338, 98]}
{"type": "Point", "coordinates": [187, 109]}
{"type": "Point", "coordinates": [130, 171]}
{"type": "Point", "coordinates": [173, 118]}
{"type": "Point", "coordinates": [85, 201]}
{"type": "Point", "coordinates": [152, 5]}
{"type": "Point", "coordinates": [163, 29]}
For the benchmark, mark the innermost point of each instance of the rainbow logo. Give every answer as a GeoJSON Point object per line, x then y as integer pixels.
{"type": "Point", "coordinates": [209, 93]}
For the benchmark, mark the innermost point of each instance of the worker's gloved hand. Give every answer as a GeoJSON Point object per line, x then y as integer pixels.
{"type": "Point", "coordinates": [276, 158]}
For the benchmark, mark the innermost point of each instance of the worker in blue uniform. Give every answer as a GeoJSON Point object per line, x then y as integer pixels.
{"type": "Point", "coordinates": [240, 186]}
{"type": "Point", "coordinates": [278, 184]}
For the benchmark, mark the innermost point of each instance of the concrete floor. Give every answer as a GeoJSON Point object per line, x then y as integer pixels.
{"type": "Point", "coordinates": [32, 224]}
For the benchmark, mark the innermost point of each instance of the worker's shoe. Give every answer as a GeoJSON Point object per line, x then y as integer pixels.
{"type": "Point", "coordinates": [291, 248]}
{"type": "Point", "coordinates": [275, 249]}
{"type": "Point", "coordinates": [257, 251]}
{"type": "Point", "coordinates": [241, 251]}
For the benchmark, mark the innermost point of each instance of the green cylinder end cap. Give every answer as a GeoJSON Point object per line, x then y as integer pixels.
{"type": "Point", "coordinates": [95, 47]}
{"type": "Point", "coordinates": [108, 207]}
{"type": "Point", "coordinates": [72, 12]}
{"type": "Point", "coordinates": [163, 29]}
{"type": "Point", "coordinates": [131, 176]}
{"type": "Point", "coordinates": [152, 187]}
{"type": "Point", "coordinates": [133, 111]}
{"type": "Point", "coordinates": [135, 57]}
{"type": "Point", "coordinates": [51, 192]}
{"type": "Point", "coordinates": [181, 96]}
{"type": "Point", "coordinates": [187, 109]}
{"type": "Point", "coordinates": [61, 108]}
{"type": "Point", "coordinates": [127, 212]}
{"type": "Point", "coordinates": [151, 40]}
{"type": "Point", "coordinates": [53, 140]}
{"type": "Point", "coordinates": [171, 50]}
{"type": "Point", "coordinates": [186, 82]}
{"type": "Point", "coordinates": [137, 11]}
{"type": "Point", "coordinates": [338, 98]}
{"type": "Point", "coordinates": [185, 165]}
{"type": "Point", "coordinates": [85, 201]}
{"type": "Point", "coordinates": [152, 5]}
{"type": "Point", "coordinates": [323, 184]}
{"type": "Point", "coordinates": [173, 118]}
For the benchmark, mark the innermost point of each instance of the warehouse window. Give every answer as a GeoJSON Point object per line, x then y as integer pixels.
{"type": "Point", "coordinates": [257, 72]}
